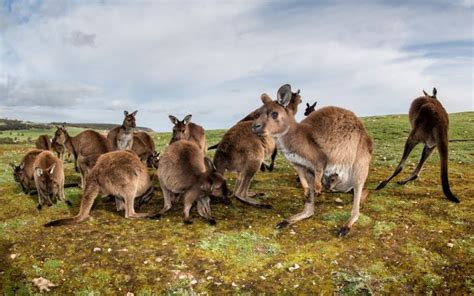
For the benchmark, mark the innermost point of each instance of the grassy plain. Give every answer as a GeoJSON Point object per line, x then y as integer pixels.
{"type": "Point", "coordinates": [408, 240]}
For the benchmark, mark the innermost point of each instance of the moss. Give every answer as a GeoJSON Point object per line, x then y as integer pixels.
{"type": "Point", "coordinates": [398, 245]}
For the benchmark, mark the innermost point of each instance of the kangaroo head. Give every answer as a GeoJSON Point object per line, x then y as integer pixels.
{"type": "Point", "coordinates": [309, 108]}
{"type": "Point", "coordinates": [275, 116]}
{"type": "Point", "coordinates": [433, 95]}
{"type": "Point", "coordinates": [180, 128]}
{"type": "Point", "coordinates": [215, 185]}
{"type": "Point", "coordinates": [60, 135]}
{"type": "Point", "coordinates": [129, 120]}
{"type": "Point", "coordinates": [18, 171]}
{"type": "Point", "coordinates": [46, 178]}
{"type": "Point", "coordinates": [154, 159]}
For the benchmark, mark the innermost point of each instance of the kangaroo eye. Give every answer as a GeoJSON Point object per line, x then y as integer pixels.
{"type": "Point", "coordinates": [274, 115]}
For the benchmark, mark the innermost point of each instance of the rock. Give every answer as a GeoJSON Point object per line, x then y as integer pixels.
{"type": "Point", "coordinates": [193, 282]}
{"type": "Point", "coordinates": [450, 245]}
{"type": "Point", "coordinates": [96, 249]}
{"type": "Point", "coordinates": [159, 259]}
{"type": "Point", "coordinates": [130, 294]}
{"type": "Point", "coordinates": [43, 284]}
{"type": "Point", "coordinates": [338, 200]}
{"type": "Point", "coordinates": [294, 267]}
{"type": "Point", "coordinates": [262, 277]}
{"type": "Point", "coordinates": [13, 256]}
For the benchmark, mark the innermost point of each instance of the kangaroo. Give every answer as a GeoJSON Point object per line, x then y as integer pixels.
{"type": "Point", "coordinates": [121, 137]}
{"type": "Point", "coordinates": [187, 130]}
{"type": "Point", "coordinates": [185, 171]}
{"type": "Point", "coordinates": [330, 182]}
{"type": "Point", "coordinates": [310, 108]}
{"type": "Point", "coordinates": [59, 149]}
{"type": "Point", "coordinates": [117, 173]}
{"type": "Point", "coordinates": [86, 143]}
{"type": "Point", "coordinates": [43, 142]}
{"type": "Point", "coordinates": [243, 151]}
{"type": "Point", "coordinates": [330, 140]}
{"type": "Point", "coordinates": [144, 147]}
{"type": "Point", "coordinates": [429, 125]}
{"type": "Point", "coordinates": [49, 179]}
{"type": "Point", "coordinates": [24, 173]}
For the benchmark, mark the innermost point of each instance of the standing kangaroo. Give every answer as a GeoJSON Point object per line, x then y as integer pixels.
{"type": "Point", "coordinates": [49, 179]}
{"type": "Point", "coordinates": [85, 144]}
{"type": "Point", "coordinates": [330, 140]}
{"type": "Point", "coordinates": [117, 173]}
{"type": "Point", "coordinates": [121, 137]}
{"type": "Point", "coordinates": [187, 130]}
{"type": "Point", "coordinates": [24, 172]}
{"type": "Point", "coordinates": [429, 125]}
{"type": "Point", "coordinates": [43, 142]}
{"type": "Point", "coordinates": [243, 151]}
{"type": "Point", "coordinates": [185, 171]}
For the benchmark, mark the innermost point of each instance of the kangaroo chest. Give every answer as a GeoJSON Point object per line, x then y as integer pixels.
{"type": "Point", "coordinates": [124, 139]}
{"type": "Point", "coordinates": [293, 157]}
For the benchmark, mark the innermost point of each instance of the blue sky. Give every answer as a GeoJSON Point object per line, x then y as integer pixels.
{"type": "Point", "coordinates": [87, 61]}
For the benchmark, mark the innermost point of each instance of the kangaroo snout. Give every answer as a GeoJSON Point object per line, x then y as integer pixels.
{"type": "Point", "coordinates": [257, 128]}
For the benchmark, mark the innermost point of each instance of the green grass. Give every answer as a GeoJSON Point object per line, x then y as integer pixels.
{"type": "Point", "coordinates": [398, 246]}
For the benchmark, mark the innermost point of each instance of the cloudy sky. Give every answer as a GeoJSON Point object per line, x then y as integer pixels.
{"type": "Point", "coordinates": [87, 61]}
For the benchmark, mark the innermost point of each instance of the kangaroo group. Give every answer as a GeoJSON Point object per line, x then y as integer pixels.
{"type": "Point", "coordinates": [329, 149]}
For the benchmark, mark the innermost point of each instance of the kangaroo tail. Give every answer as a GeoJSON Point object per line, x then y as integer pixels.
{"type": "Point", "coordinates": [442, 143]}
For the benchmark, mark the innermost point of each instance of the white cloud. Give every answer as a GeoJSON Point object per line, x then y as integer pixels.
{"type": "Point", "coordinates": [214, 59]}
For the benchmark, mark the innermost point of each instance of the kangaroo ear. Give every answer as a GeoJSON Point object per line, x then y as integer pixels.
{"type": "Point", "coordinates": [298, 92]}
{"type": "Point", "coordinates": [125, 113]}
{"type": "Point", "coordinates": [314, 105]}
{"type": "Point", "coordinates": [187, 119]}
{"type": "Point", "coordinates": [284, 95]}
{"type": "Point", "coordinates": [134, 113]}
{"type": "Point", "coordinates": [265, 98]}
{"type": "Point", "coordinates": [307, 105]}
{"type": "Point", "coordinates": [426, 94]}
{"type": "Point", "coordinates": [38, 172]}
{"type": "Point", "coordinates": [51, 169]}
{"type": "Point", "coordinates": [173, 119]}
{"type": "Point", "coordinates": [434, 92]}
{"type": "Point", "coordinates": [206, 186]}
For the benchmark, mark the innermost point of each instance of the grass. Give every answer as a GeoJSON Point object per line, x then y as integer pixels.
{"type": "Point", "coordinates": [408, 240]}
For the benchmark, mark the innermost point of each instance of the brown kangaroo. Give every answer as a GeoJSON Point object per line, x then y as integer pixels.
{"type": "Point", "coordinates": [185, 171]}
{"type": "Point", "coordinates": [43, 142]}
{"type": "Point", "coordinates": [144, 146]}
{"type": "Point", "coordinates": [310, 108]}
{"type": "Point", "coordinates": [85, 144]}
{"type": "Point", "coordinates": [330, 140]}
{"type": "Point", "coordinates": [121, 137]}
{"type": "Point", "coordinates": [187, 130]}
{"type": "Point", "coordinates": [429, 125]}
{"type": "Point", "coordinates": [49, 179]}
{"type": "Point", "coordinates": [243, 151]}
{"type": "Point", "coordinates": [24, 172]}
{"type": "Point", "coordinates": [117, 173]}
{"type": "Point", "coordinates": [59, 149]}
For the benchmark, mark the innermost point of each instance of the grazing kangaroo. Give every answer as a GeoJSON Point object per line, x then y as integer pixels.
{"type": "Point", "coordinates": [121, 137]}
{"type": "Point", "coordinates": [117, 173]}
{"type": "Point", "coordinates": [310, 108]}
{"type": "Point", "coordinates": [24, 173]}
{"type": "Point", "coordinates": [49, 179]}
{"type": "Point", "coordinates": [184, 171]}
{"type": "Point", "coordinates": [144, 147]}
{"type": "Point", "coordinates": [330, 140]}
{"type": "Point", "coordinates": [85, 144]}
{"type": "Point", "coordinates": [43, 142]}
{"type": "Point", "coordinates": [187, 130]}
{"type": "Point", "coordinates": [429, 125]}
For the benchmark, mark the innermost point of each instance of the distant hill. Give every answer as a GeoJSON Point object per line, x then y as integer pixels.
{"type": "Point", "coordinates": [13, 124]}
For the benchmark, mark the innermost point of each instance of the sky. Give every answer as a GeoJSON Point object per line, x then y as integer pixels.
{"type": "Point", "coordinates": [88, 61]}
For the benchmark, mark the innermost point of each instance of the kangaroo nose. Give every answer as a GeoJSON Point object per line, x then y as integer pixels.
{"type": "Point", "coordinates": [257, 127]}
